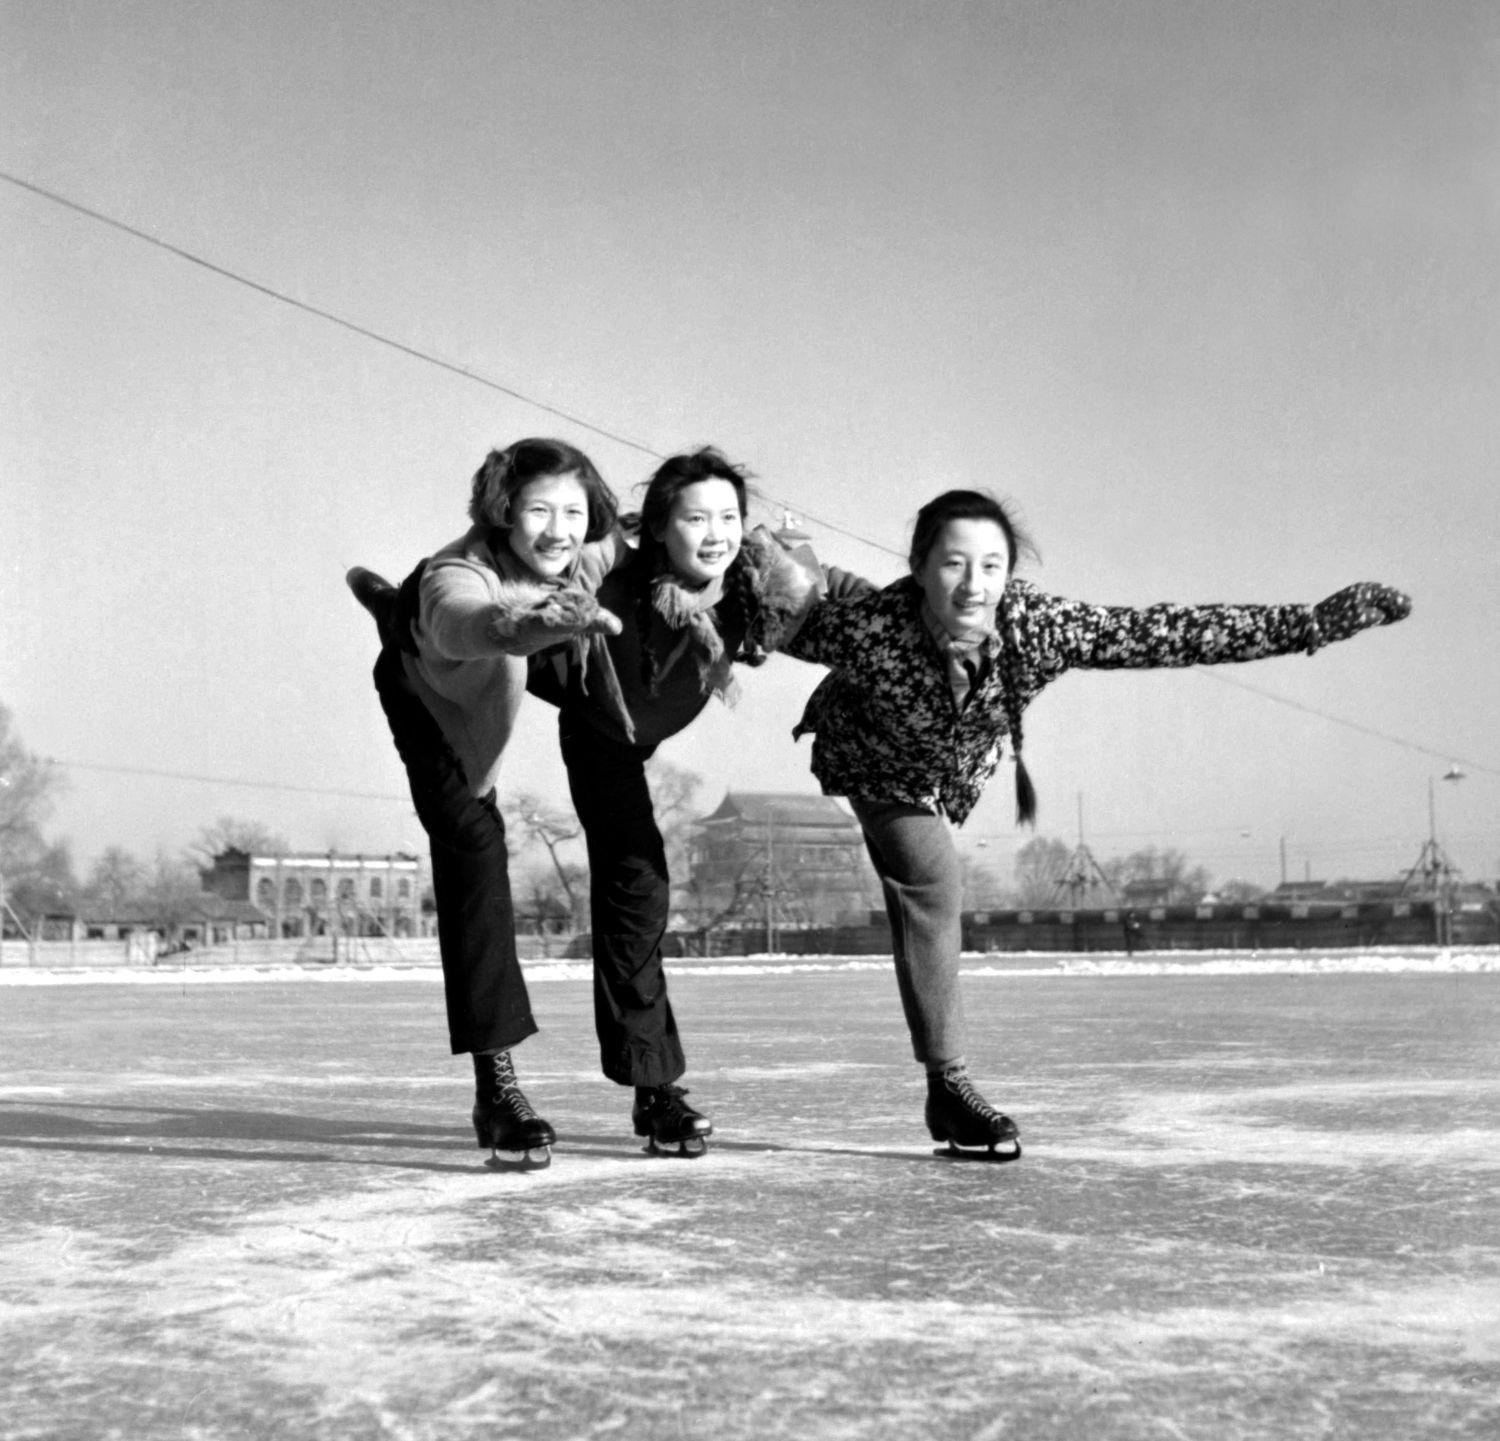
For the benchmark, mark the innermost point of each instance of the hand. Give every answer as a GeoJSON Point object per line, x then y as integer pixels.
{"type": "Point", "coordinates": [1358, 607]}
{"type": "Point", "coordinates": [605, 622]}
{"type": "Point", "coordinates": [559, 617]}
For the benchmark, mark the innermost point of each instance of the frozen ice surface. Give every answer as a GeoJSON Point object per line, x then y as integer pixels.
{"type": "Point", "coordinates": [1252, 1205]}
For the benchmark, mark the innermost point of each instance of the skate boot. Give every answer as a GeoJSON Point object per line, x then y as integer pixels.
{"type": "Point", "coordinates": [670, 1125]}
{"type": "Point", "coordinates": [959, 1115]}
{"type": "Point", "coordinates": [378, 596]}
{"type": "Point", "coordinates": [518, 1138]}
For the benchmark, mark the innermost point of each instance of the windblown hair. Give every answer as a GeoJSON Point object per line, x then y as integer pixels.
{"type": "Point", "coordinates": [742, 582]}
{"type": "Point", "coordinates": [981, 505]}
{"type": "Point", "coordinates": [672, 477]}
{"type": "Point", "coordinates": [506, 473]}
{"type": "Point", "coordinates": [966, 505]}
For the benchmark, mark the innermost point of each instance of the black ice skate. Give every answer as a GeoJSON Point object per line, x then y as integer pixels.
{"type": "Point", "coordinates": [959, 1115]}
{"type": "Point", "coordinates": [504, 1120]}
{"type": "Point", "coordinates": [671, 1126]}
{"type": "Point", "coordinates": [378, 596]}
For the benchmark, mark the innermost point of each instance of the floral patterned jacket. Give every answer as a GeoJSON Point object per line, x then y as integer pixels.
{"type": "Point", "coordinates": [885, 724]}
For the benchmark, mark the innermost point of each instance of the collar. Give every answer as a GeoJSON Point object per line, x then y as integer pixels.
{"type": "Point", "coordinates": [985, 643]}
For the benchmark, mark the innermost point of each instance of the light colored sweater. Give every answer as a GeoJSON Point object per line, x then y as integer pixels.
{"type": "Point", "coordinates": [482, 612]}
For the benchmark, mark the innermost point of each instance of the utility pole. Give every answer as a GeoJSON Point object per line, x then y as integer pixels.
{"type": "Point", "coordinates": [1432, 872]}
{"type": "Point", "coordinates": [770, 888]}
{"type": "Point", "coordinates": [1082, 871]}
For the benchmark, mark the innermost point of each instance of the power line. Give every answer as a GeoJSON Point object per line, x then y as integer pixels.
{"type": "Point", "coordinates": [464, 372]}
{"type": "Point", "coordinates": [237, 781]}
{"type": "Point", "coordinates": [1352, 725]}
{"type": "Point", "coordinates": [328, 315]}
{"type": "Point", "coordinates": [400, 346]}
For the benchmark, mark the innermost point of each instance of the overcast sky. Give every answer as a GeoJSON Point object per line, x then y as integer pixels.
{"type": "Point", "coordinates": [1209, 290]}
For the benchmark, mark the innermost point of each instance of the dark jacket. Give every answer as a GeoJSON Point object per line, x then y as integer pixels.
{"type": "Point", "coordinates": [885, 724]}
{"type": "Point", "coordinates": [651, 681]}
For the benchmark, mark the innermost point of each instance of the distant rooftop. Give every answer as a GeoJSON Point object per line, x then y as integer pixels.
{"type": "Point", "coordinates": [795, 808]}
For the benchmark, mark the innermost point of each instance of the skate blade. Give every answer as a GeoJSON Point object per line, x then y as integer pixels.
{"type": "Point", "coordinates": [987, 1155]}
{"type": "Point", "coordinates": [690, 1150]}
{"type": "Point", "coordinates": [536, 1158]}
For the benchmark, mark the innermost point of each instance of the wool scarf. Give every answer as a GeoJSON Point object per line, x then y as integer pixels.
{"type": "Point", "coordinates": [689, 611]}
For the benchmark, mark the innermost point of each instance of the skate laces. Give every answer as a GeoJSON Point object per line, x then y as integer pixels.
{"type": "Point", "coordinates": [508, 1092]}
{"type": "Point", "coordinates": [667, 1100]}
{"type": "Point", "coordinates": [959, 1083]}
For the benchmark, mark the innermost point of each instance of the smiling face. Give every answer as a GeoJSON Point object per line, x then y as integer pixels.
{"type": "Point", "coordinates": [548, 520]}
{"type": "Point", "coordinates": [703, 531]}
{"type": "Point", "coordinates": [964, 573]}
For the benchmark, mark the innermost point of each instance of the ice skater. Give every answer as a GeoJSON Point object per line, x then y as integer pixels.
{"type": "Point", "coordinates": [451, 676]}
{"type": "Point", "coordinates": [929, 677]}
{"type": "Point", "coordinates": [697, 594]}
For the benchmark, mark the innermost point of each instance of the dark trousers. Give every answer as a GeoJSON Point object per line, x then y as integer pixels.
{"type": "Point", "coordinates": [488, 1007]}
{"type": "Point", "coordinates": [629, 900]}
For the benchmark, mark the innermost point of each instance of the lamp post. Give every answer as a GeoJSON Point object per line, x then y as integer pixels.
{"type": "Point", "coordinates": [1433, 873]}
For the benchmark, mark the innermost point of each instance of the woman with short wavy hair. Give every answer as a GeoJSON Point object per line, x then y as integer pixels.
{"type": "Point", "coordinates": [451, 676]}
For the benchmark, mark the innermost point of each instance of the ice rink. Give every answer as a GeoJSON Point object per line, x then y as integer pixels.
{"type": "Point", "coordinates": [1256, 1201]}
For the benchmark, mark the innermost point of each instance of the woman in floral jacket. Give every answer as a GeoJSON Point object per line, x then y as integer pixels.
{"type": "Point", "coordinates": [930, 676]}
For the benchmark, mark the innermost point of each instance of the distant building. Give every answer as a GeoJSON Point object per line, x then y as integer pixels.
{"type": "Point", "coordinates": [799, 858]}
{"type": "Point", "coordinates": [202, 920]}
{"type": "Point", "coordinates": [310, 893]}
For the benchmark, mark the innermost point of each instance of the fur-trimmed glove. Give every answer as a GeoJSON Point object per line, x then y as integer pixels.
{"type": "Point", "coordinates": [557, 617]}
{"type": "Point", "coordinates": [1355, 608]}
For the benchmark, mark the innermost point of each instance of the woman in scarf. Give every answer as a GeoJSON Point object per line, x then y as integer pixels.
{"type": "Point", "coordinates": [697, 594]}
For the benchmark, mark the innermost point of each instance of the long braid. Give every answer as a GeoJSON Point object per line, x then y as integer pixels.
{"type": "Point", "coordinates": [1011, 700]}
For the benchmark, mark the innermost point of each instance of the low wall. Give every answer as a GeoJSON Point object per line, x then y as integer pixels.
{"type": "Point", "coordinates": [314, 951]}
{"type": "Point", "coordinates": [1353, 924]}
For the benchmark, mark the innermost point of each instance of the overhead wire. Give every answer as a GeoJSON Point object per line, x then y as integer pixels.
{"type": "Point", "coordinates": [240, 782]}
{"type": "Point", "coordinates": [466, 373]}
{"type": "Point", "coordinates": [402, 347]}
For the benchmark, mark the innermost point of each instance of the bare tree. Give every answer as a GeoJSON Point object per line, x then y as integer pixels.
{"type": "Point", "coordinates": [116, 879]}
{"type": "Point", "coordinates": [44, 885]}
{"type": "Point", "coordinates": [673, 790]}
{"type": "Point", "coordinates": [1239, 892]}
{"type": "Point", "coordinates": [231, 833]}
{"type": "Point", "coordinates": [707, 908]}
{"type": "Point", "coordinates": [172, 890]}
{"type": "Point", "coordinates": [29, 785]}
{"type": "Point", "coordinates": [982, 888]}
{"type": "Point", "coordinates": [1039, 863]}
{"type": "Point", "coordinates": [1183, 882]}
{"type": "Point", "coordinates": [553, 829]}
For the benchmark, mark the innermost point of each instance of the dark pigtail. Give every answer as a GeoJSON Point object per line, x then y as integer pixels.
{"type": "Point", "coordinates": [1025, 791]}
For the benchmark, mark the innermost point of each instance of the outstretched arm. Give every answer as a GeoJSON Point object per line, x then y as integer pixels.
{"type": "Point", "coordinates": [1062, 633]}
{"type": "Point", "coordinates": [467, 616]}
{"type": "Point", "coordinates": [524, 629]}
{"type": "Point", "coordinates": [468, 613]}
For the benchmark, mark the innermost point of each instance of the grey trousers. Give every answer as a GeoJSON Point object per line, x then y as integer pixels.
{"type": "Point", "coordinates": [917, 863]}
